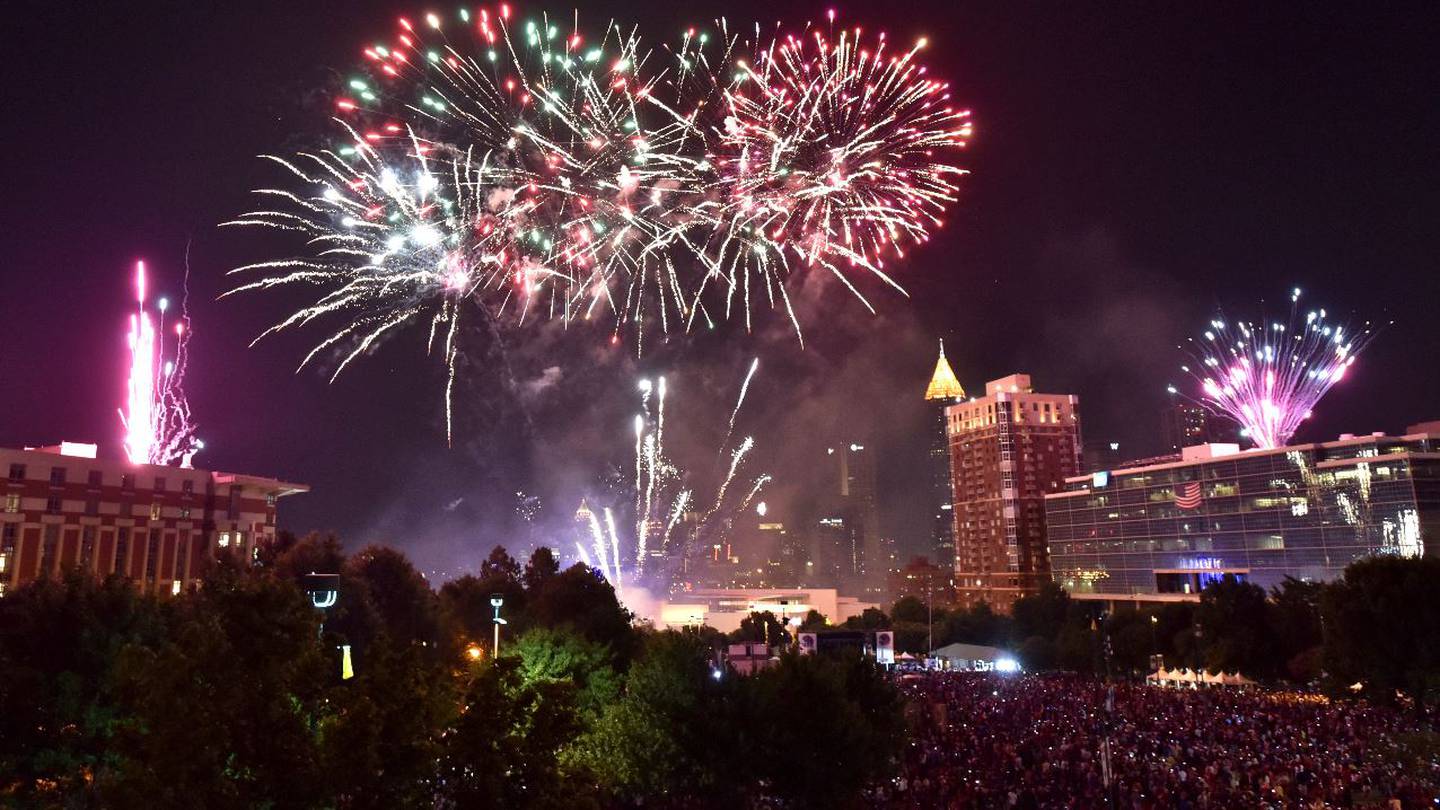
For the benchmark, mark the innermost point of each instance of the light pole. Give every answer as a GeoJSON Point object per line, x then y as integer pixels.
{"type": "Point", "coordinates": [496, 600]}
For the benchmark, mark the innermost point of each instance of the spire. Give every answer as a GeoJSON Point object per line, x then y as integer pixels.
{"type": "Point", "coordinates": [943, 383]}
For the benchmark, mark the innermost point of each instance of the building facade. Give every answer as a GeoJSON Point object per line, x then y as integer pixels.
{"type": "Point", "coordinates": [943, 391]}
{"type": "Point", "coordinates": [1008, 449]}
{"type": "Point", "coordinates": [847, 531]}
{"type": "Point", "coordinates": [1161, 532]}
{"type": "Point", "coordinates": [159, 526]}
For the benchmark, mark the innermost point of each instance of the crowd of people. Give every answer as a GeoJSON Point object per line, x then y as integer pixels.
{"type": "Point", "coordinates": [1062, 741]}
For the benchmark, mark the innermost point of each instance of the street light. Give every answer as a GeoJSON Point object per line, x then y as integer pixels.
{"type": "Point", "coordinates": [496, 600]}
{"type": "Point", "coordinates": [474, 652]}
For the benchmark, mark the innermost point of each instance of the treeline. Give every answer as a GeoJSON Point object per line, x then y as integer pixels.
{"type": "Point", "coordinates": [1378, 627]}
{"type": "Point", "coordinates": [233, 696]}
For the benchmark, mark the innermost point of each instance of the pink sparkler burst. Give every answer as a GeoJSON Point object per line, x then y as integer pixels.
{"type": "Point", "coordinates": [156, 416]}
{"type": "Point", "coordinates": [1267, 378]}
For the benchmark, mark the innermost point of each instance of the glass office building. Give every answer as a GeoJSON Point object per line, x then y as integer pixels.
{"type": "Point", "coordinates": [1163, 531]}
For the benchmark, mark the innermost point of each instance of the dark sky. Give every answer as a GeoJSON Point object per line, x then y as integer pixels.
{"type": "Point", "coordinates": [1135, 165]}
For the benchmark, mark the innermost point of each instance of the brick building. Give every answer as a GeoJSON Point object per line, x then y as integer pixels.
{"type": "Point", "coordinates": [160, 526]}
{"type": "Point", "coordinates": [1007, 450]}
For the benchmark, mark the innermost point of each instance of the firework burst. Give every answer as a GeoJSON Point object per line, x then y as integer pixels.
{"type": "Point", "coordinates": [1267, 377]}
{"type": "Point", "coordinates": [514, 170]}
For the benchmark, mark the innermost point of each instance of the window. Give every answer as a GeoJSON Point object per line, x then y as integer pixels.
{"type": "Point", "coordinates": [122, 551]}
{"type": "Point", "coordinates": [127, 509]}
{"type": "Point", "coordinates": [224, 539]}
{"type": "Point", "coordinates": [159, 483]}
{"type": "Point", "coordinates": [270, 499]}
{"type": "Point", "coordinates": [48, 547]}
{"type": "Point", "coordinates": [154, 511]}
{"type": "Point", "coordinates": [87, 548]}
{"type": "Point", "coordinates": [232, 508]}
{"type": "Point", "coordinates": [184, 513]}
{"type": "Point", "coordinates": [52, 505]}
{"type": "Point", "coordinates": [127, 480]}
{"type": "Point", "coordinates": [12, 502]}
{"type": "Point", "coordinates": [188, 486]}
{"type": "Point", "coordinates": [92, 506]}
{"type": "Point", "coordinates": [7, 551]}
{"type": "Point", "coordinates": [94, 478]}
{"type": "Point", "coordinates": [57, 475]}
{"type": "Point", "coordinates": [17, 472]}
{"type": "Point", "coordinates": [152, 556]}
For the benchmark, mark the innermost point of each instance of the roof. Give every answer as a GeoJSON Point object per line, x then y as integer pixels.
{"type": "Point", "coordinates": [943, 383]}
{"type": "Point", "coordinates": [969, 652]}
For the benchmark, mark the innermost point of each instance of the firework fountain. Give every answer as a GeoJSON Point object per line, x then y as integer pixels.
{"type": "Point", "coordinates": [512, 170]}
{"type": "Point", "coordinates": [156, 416]}
{"type": "Point", "coordinates": [670, 520]}
{"type": "Point", "coordinates": [1267, 377]}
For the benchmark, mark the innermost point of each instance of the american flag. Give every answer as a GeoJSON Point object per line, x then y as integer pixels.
{"type": "Point", "coordinates": [1188, 495]}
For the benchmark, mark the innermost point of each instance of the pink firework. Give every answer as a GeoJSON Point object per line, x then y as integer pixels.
{"type": "Point", "coordinates": [156, 416]}
{"type": "Point", "coordinates": [1267, 378]}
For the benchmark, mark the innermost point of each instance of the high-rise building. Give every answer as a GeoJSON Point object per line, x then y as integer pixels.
{"type": "Point", "coordinates": [849, 528]}
{"type": "Point", "coordinates": [1160, 532]}
{"type": "Point", "coordinates": [159, 527]}
{"type": "Point", "coordinates": [943, 391]}
{"type": "Point", "coordinates": [1007, 450]}
{"type": "Point", "coordinates": [1187, 424]}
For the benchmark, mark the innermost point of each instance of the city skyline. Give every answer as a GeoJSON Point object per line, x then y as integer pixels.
{"type": "Point", "coordinates": [1057, 234]}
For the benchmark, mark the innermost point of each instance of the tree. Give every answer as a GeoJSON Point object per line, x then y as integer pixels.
{"type": "Point", "coordinates": [1295, 626]}
{"type": "Point", "coordinates": [814, 621]}
{"type": "Point", "coordinates": [503, 749]}
{"type": "Point", "coordinates": [978, 625]}
{"type": "Point", "coordinates": [220, 713]}
{"type": "Point", "coordinates": [1042, 614]}
{"type": "Point", "coordinates": [59, 712]}
{"type": "Point", "coordinates": [558, 655]}
{"type": "Point", "coordinates": [841, 712]}
{"type": "Point", "coordinates": [580, 599]}
{"type": "Point", "coordinates": [1382, 627]}
{"type": "Point", "coordinates": [910, 609]}
{"type": "Point", "coordinates": [399, 594]}
{"type": "Point", "coordinates": [500, 565]}
{"type": "Point", "coordinates": [762, 626]}
{"type": "Point", "coordinates": [1233, 620]}
{"type": "Point", "coordinates": [541, 566]}
{"type": "Point", "coordinates": [869, 619]}
{"type": "Point", "coordinates": [672, 733]}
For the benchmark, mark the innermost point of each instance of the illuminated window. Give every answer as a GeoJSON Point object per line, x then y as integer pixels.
{"type": "Point", "coordinates": [270, 499]}
{"type": "Point", "coordinates": [224, 539]}
{"type": "Point", "coordinates": [12, 503]}
{"type": "Point", "coordinates": [154, 511]}
{"type": "Point", "coordinates": [184, 513]}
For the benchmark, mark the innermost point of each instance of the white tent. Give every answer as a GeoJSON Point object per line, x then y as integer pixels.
{"type": "Point", "coordinates": [1198, 676]}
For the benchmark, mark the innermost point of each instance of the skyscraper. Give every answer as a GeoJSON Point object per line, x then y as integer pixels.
{"type": "Point", "coordinates": [1007, 450]}
{"type": "Point", "coordinates": [1188, 424]}
{"type": "Point", "coordinates": [943, 391]}
{"type": "Point", "coordinates": [849, 528]}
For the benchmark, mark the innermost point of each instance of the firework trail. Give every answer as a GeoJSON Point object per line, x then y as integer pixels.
{"type": "Point", "coordinates": [156, 417]}
{"type": "Point", "coordinates": [487, 167]}
{"type": "Point", "coordinates": [668, 520]}
{"type": "Point", "coordinates": [740, 400]}
{"type": "Point", "coordinates": [1268, 377]}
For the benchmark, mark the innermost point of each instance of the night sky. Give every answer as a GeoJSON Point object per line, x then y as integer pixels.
{"type": "Point", "coordinates": [1135, 164]}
